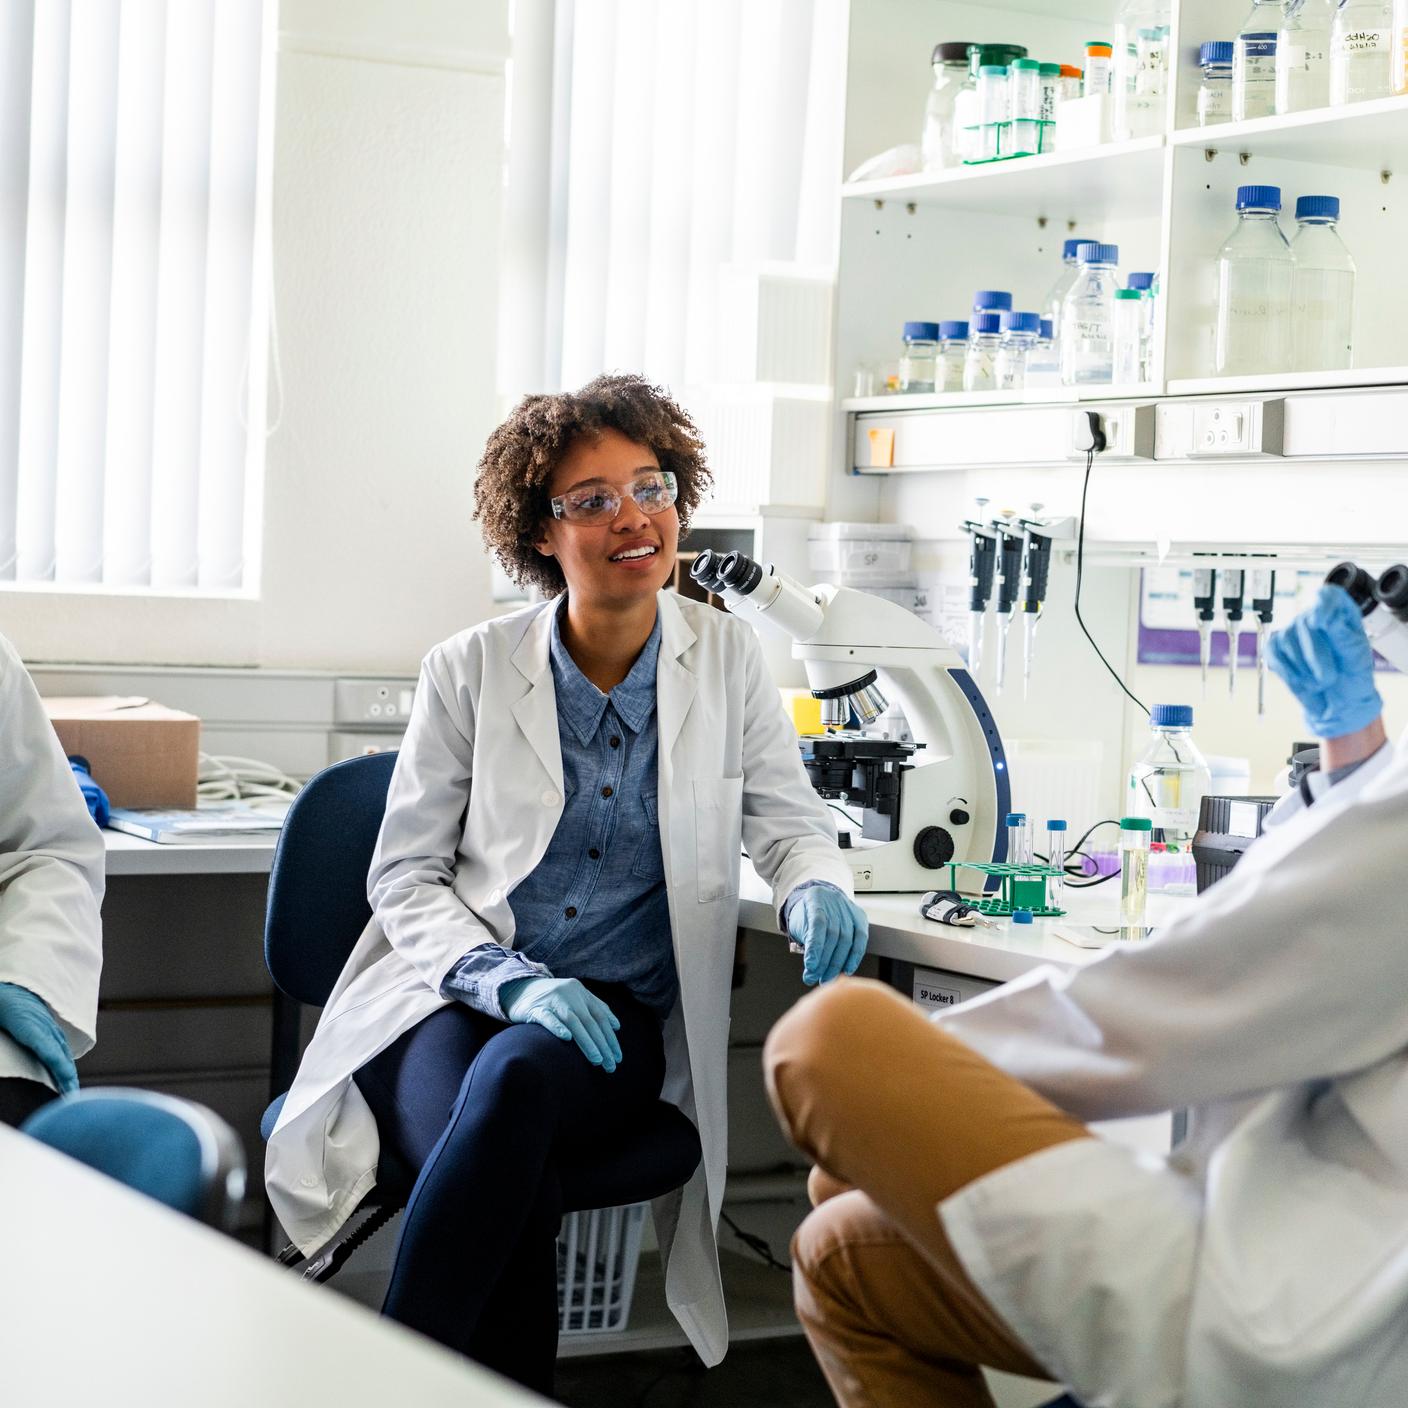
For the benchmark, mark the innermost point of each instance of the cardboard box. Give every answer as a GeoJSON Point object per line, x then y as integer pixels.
{"type": "Point", "coordinates": [142, 754]}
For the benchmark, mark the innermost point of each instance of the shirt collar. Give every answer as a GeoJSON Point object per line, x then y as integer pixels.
{"type": "Point", "coordinates": [582, 704]}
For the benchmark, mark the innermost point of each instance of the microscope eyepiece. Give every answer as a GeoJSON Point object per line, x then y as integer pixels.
{"type": "Point", "coordinates": [1356, 581]}
{"type": "Point", "coordinates": [705, 570]}
{"type": "Point", "coordinates": [740, 572]}
{"type": "Point", "coordinates": [1392, 590]}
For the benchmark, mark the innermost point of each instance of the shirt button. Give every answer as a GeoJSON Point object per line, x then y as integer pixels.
{"type": "Point", "coordinates": [571, 911]}
{"type": "Point", "coordinates": [594, 853]}
{"type": "Point", "coordinates": [549, 798]}
{"type": "Point", "coordinates": [606, 791]}
{"type": "Point", "coordinates": [614, 741]}
{"type": "Point", "coordinates": [309, 1180]}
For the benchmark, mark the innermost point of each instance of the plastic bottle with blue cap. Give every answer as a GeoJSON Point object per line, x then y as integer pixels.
{"type": "Point", "coordinates": [917, 361]}
{"type": "Point", "coordinates": [980, 364]}
{"type": "Point", "coordinates": [1322, 288]}
{"type": "Point", "coordinates": [1215, 91]}
{"type": "Point", "coordinates": [1169, 781]}
{"type": "Point", "coordinates": [1019, 335]}
{"type": "Point", "coordinates": [1255, 268]}
{"type": "Point", "coordinates": [1088, 318]}
{"type": "Point", "coordinates": [953, 353]}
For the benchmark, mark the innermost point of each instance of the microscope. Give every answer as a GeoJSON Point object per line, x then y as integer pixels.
{"type": "Point", "coordinates": [941, 798]}
{"type": "Point", "coordinates": [1383, 604]}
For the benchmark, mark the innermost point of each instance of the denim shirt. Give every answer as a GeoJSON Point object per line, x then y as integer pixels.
{"type": "Point", "coordinates": [595, 905]}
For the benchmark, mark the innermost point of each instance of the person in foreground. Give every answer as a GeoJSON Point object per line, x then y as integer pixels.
{"type": "Point", "coordinates": [555, 895]}
{"type": "Point", "coordinates": [51, 887]}
{"type": "Point", "coordinates": [965, 1214]}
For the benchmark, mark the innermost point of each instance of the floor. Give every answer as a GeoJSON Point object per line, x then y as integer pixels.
{"type": "Point", "coordinates": [768, 1374]}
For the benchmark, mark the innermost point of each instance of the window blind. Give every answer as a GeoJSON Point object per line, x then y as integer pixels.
{"type": "Point", "coordinates": [134, 155]}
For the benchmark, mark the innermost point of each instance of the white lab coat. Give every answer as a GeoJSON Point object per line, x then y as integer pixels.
{"type": "Point", "coordinates": [51, 874]}
{"type": "Point", "coordinates": [1265, 1264]}
{"type": "Point", "coordinates": [730, 775]}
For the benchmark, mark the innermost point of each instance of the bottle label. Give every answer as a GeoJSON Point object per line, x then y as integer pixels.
{"type": "Point", "coordinates": [1257, 55]}
{"type": "Point", "coordinates": [1361, 41]}
{"type": "Point", "coordinates": [1048, 100]}
{"type": "Point", "coordinates": [1301, 59]}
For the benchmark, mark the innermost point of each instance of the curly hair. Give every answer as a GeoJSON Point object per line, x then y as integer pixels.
{"type": "Point", "coordinates": [511, 486]}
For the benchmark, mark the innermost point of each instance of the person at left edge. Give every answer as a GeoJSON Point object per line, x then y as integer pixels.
{"type": "Point", "coordinates": [555, 894]}
{"type": "Point", "coordinates": [51, 887]}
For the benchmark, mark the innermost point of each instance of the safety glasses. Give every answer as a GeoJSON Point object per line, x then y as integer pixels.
{"type": "Point", "coordinates": [653, 491]}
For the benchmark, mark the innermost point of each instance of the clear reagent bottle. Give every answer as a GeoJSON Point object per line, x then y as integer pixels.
{"type": "Point", "coordinates": [1169, 781]}
{"type": "Point", "coordinates": [1254, 62]}
{"type": "Point", "coordinates": [1019, 335]}
{"type": "Point", "coordinates": [939, 143]}
{"type": "Point", "coordinates": [1303, 55]}
{"type": "Point", "coordinates": [1254, 273]}
{"type": "Point", "coordinates": [1215, 91]}
{"type": "Point", "coordinates": [984, 338]}
{"type": "Point", "coordinates": [953, 352]}
{"type": "Point", "coordinates": [1088, 317]}
{"type": "Point", "coordinates": [1322, 288]}
{"type": "Point", "coordinates": [1361, 51]}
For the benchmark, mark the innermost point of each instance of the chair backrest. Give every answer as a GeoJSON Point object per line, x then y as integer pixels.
{"type": "Point", "coordinates": [318, 886]}
{"type": "Point", "coordinates": [175, 1151]}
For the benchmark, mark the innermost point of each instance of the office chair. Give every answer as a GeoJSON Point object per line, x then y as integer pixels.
{"type": "Point", "coordinates": [172, 1150]}
{"type": "Point", "coordinates": [317, 910]}
{"type": "Point", "coordinates": [1065, 1401]}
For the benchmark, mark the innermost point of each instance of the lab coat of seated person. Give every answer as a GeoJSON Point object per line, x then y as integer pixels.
{"type": "Point", "coordinates": [555, 895]}
{"type": "Point", "coordinates": [51, 887]}
{"type": "Point", "coordinates": [1264, 1263]}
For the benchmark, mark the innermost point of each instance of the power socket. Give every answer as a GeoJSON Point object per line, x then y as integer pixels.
{"type": "Point", "coordinates": [359, 703]}
{"type": "Point", "coordinates": [1129, 433]}
{"type": "Point", "coordinates": [1224, 428]}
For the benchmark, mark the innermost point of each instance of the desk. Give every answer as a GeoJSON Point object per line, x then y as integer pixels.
{"type": "Point", "coordinates": [897, 930]}
{"type": "Point", "coordinates": [129, 855]}
{"type": "Point", "coordinates": [109, 1298]}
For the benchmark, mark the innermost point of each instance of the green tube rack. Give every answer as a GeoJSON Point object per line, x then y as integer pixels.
{"type": "Point", "coordinates": [1023, 887]}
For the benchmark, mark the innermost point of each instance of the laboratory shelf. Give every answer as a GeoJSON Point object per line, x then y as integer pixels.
{"type": "Point", "coordinates": [1264, 382]}
{"type": "Point", "coordinates": [1370, 136]}
{"type": "Point", "coordinates": [1117, 180]}
{"type": "Point", "coordinates": [981, 400]}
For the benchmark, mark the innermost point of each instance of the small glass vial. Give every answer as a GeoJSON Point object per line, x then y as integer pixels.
{"type": "Point", "coordinates": [1070, 85]}
{"type": "Point", "coordinates": [920, 356]}
{"type": "Point", "coordinates": [1019, 334]}
{"type": "Point", "coordinates": [1019, 839]}
{"type": "Point", "coordinates": [1023, 133]}
{"type": "Point", "coordinates": [984, 338]}
{"type": "Point", "coordinates": [1148, 285]}
{"type": "Point", "coordinates": [1134, 871]}
{"type": "Point", "coordinates": [1099, 67]}
{"type": "Point", "coordinates": [1128, 337]}
{"type": "Point", "coordinates": [1043, 361]}
{"type": "Point", "coordinates": [953, 352]}
{"type": "Point", "coordinates": [994, 109]}
{"type": "Point", "coordinates": [1056, 859]}
{"type": "Point", "coordinates": [1215, 91]}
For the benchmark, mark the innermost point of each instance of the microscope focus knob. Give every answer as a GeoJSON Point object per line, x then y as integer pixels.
{"type": "Point", "coordinates": [958, 817]}
{"type": "Point", "coordinates": [933, 847]}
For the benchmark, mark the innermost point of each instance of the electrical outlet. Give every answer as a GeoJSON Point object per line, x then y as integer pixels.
{"type": "Point", "coordinates": [1223, 428]}
{"type": "Point", "coordinates": [360, 703]}
{"type": "Point", "coordinates": [1129, 432]}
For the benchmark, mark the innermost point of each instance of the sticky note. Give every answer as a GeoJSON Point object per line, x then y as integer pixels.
{"type": "Point", "coordinates": [882, 448]}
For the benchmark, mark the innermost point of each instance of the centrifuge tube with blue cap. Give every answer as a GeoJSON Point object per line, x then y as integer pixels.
{"type": "Point", "coordinates": [1056, 859]}
{"type": "Point", "coordinates": [1019, 839]}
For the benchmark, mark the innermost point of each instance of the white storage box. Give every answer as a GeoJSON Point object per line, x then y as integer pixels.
{"type": "Point", "coordinates": [765, 448]}
{"type": "Point", "coordinates": [775, 324]}
{"type": "Point", "coordinates": [597, 1256]}
{"type": "Point", "coordinates": [853, 554]}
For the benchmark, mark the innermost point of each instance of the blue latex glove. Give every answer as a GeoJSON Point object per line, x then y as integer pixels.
{"type": "Point", "coordinates": [94, 795]}
{"type": "Point", "coordinates": [1326, 660]}
{"type": "Point", "coordinates": [28, 1019]}
{"type": "Point", "coordinates": [568, 1010]}
{"type": "Point", "coordinates": [832, 930]}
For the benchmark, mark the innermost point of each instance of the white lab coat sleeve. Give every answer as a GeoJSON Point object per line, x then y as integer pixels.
{"type": "Point", "coordinates": [1292, 968]}
{"type": "Point", "coordinates": [52, 864]}
{"type": "Point", "coordinates": [787, 829]}
{"type": "Point", "coordinates": [411, 882]}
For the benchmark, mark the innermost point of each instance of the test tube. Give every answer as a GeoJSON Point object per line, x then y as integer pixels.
{"type": "Point", "coordinates": [1056, 859]}
{"type": "Point", "coordinates": [1019, 840]}
{"type": "Point", "coordinates": [1135, 835]}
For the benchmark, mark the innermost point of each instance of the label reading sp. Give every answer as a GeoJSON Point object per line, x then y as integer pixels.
{"type": "Point", "coordinates": [932, 996]}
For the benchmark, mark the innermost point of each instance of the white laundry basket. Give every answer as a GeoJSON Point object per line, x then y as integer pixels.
{"type": "Point", "coordinates": [597, 1256]}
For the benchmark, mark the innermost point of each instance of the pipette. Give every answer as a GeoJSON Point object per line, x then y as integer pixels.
{"type": "Point", "coordinates": [982, 563]}
{"type": "Point", "coordinates": [1233, 588]}
{"type": "Point", "coordinates": [1204, 595]}
{"type": "Point", "coordinates": [1038, 569]}
{"type": "Point", "coordinates": [1263, 594]}
{"type": "Point", "coordinates": [1010, 544]}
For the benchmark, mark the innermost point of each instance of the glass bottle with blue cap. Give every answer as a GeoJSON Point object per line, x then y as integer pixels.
{"type": "Point", "coordinates": [1171, 778]}
{"type": "Point", "coordinates": [919, 358]}
{"type": "Point", "coordinates": [1255, 267]}
{"type": "Point", "coordinates": [1322, 288]}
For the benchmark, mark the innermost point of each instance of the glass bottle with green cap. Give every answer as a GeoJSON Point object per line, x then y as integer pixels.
{"type": "Point", "coordinates": [1135, 835]}
{"type": "Point", "coordinates": [1024, 103]}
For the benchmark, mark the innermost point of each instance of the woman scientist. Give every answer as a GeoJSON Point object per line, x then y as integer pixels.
{"type": "Point", "coordinates": [555, 893]}
{"type": "Point", "coordinates": [967, 1216]}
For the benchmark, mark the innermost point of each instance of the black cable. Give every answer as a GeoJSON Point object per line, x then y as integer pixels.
{"type": "Point", "coordinates": [755, 1244]}
{"type": "Point", "coordinates": [1080, 572]}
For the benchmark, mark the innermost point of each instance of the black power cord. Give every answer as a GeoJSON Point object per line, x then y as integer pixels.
{"type": "Point", "coordinates": [1097, 442]}
{"type": "Point", "coordinates": [755, 1244]}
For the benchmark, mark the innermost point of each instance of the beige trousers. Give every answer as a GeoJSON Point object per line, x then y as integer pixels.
{"type": "Point", "coordinates": [896, 1115]}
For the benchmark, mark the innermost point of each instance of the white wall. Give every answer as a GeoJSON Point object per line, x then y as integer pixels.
{"type": "Point", "coordinates": [387, 167]}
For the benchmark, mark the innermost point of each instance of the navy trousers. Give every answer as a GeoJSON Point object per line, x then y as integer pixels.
{"type": "Point", "coordinates": [486, 1116]}
{"type": "Point", "coordinates": [20, 1098]}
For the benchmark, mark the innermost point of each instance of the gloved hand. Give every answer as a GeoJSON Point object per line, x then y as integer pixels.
{"type": "Point", "coordinates": [1326, 660]}
{"type": "Point", "coordinates": [29, 1021]}
{"type": "Point", "coordinates": [832, 930]}
{"type": "Point", "coordinates": [568, 1010]}
{"type": "Point", "coordinates": [96, 798]}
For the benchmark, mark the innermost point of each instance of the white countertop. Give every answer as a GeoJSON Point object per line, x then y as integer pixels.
{"type": "Point", "coordinates": [129, 855]}
{"type": "Point", "coordinates": [898, 931]}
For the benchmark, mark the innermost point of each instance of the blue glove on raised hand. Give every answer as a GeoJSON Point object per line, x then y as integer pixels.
{"type": "Point", "coordinates": [568, 1010]}
{"type": "Point", "coordinates": [29, 1021]}
{"type": "Point", "coordinates": [832, 930]}
{"type": "Point", "coordinates": [1327, 662]}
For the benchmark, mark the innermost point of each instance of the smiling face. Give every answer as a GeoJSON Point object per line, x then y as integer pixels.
{"type": "Point", "coordinates": [592, 555]}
